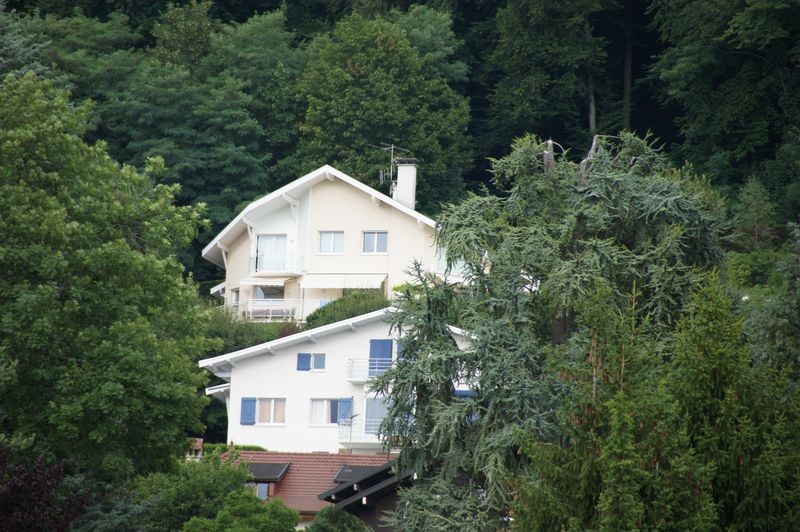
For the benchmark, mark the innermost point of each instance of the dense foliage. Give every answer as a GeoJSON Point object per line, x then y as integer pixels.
{"type": "Point", "coordinates": [167, 500]}
{"type": "Point", "coordinates": [613, 387]}
{"type": "Point", "coordinates": [348, 306]}
{"type": "Point", "coordinates": [619, 382]}
{"type": "Point", "coordinates": [241, 98]}
{"type": "Point", "coordinates": [244, 511]}
{"type": "Point", "coordinates": [99, 325]}
{"type": "Point", "coordinates": [332, 519]}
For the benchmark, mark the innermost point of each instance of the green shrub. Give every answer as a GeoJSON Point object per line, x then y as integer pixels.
{"type": "Point", "coordinates": [348, 306]}
{"type": "Point", "coordinates": [332, 519]}
{"type": "Point", "coordinates": [209, 448]}
{"type": "Point", "coordinates": [195, 489]}
{"type": "Point", "coordinates": [235, 333]}
{"type": "Point", "coordinates": [244, 512]}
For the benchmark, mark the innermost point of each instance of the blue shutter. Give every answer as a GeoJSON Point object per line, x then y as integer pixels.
{"type": "Point", "coordinates": [303, 361]}
{"type": "Point", "coordinates": [380, 356]}
{"type": "Point", "coordinates": [345, 409]}
{"type": "Point", "coordinates": [248, 411]}
{"type": "Point", "coordinates": [465, 394]}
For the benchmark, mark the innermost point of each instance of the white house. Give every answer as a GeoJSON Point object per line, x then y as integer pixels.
{"type": "Point", "coordinates": [307, 243]}
{"type": "Point", "coordinates": [310, 392]}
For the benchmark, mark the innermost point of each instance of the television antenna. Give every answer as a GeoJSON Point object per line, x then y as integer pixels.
{"type": "Point", "coordinates": [388, 175]}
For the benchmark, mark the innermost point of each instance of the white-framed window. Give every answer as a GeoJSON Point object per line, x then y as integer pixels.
{"type": "Point", "coordinates": [324, 412]}
{"type": "Point", "coordinates": [310, 361]}
{"type": "Point", "coordinates": [375, 242]}
{"type": "Point", "coordinates": [270, 253]}
{"type": "Point", "coordinates": [262, 490]}
{"type": "Point", "coordinates": [331, 242]}
{"type": "Point", "coordinates": [271, 411]}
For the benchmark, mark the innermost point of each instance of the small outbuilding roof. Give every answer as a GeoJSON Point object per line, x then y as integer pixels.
{"type": "Point", "coordinates": [308, 474]}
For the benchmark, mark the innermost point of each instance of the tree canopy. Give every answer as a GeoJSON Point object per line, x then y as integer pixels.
{"type": "Point", "coordinates": [579, 293]}
{"type": "Point", "coordinates": [365, 85]}
{"type": "Point", "coordinates": [98, 322]}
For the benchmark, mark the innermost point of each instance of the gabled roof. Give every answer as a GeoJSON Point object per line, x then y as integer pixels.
{"type": "Point", "coordinates": [373, 483]}
{"type": "Point", "coordinates": [222, 364]}
{"type": "Point", "coordinates": [308, 474]}
{"type": "Point", "coordinates": [283, 196]}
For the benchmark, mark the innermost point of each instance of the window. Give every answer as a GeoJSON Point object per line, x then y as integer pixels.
{"type": "Point", "coordinates": [331, 242]}
{"type": "Point", "coordinates": [310, 362]}
{"type": "Point", "coordinates": [262, 490]}
{"type": "Point", "coordinates": [268, 292]}
{"type": "Point", "coordinates": [324, 411]}
{"type": "Point", "coordinates": [270, 253]}
{"type": "Point", "coordinates": [375, 410]}
{"type": "Point", "coordinates": [272, 410]}
{"type": "Point", "coordinates": [266, 411]}
{"type": "Point", "coordinates": [380, 356]}
{"type": "Point", "coordinates": [375, 242]}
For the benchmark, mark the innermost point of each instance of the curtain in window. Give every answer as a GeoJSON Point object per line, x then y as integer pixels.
{"type": "Point", "coordinates": [265, 410]}
{"type": "Point", "coordinates": [280, 411]}
{"type": "Point", "coordinates": [317, 412]}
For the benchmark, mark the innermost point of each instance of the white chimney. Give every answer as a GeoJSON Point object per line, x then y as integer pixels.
{"type": "Point", "coordinates": [405, 189]}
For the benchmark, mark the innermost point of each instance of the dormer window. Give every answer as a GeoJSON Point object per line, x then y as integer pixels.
{"type": "Point", "coordinates": [375, 242]}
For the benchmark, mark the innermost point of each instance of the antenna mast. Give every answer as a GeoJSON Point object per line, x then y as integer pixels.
{"type": "Point", "coordinates": [388, 174]}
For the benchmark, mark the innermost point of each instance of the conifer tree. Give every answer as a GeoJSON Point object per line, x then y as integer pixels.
{"type": "Point", "coordinates": [754, 216]}
{"type": "Point", "coordinates": [740, 417]}
{"type": "Point", "coordinates": [20, 52]}
{"type": "Point", "coordinates": [622, 219]}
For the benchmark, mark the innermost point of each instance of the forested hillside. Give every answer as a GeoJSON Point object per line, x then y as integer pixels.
{"type": "Point", "coordinates": [618, 180]}
{"type": "Point", "coordinates": [241, 97]}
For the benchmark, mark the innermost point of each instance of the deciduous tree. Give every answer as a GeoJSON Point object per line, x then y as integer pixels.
{"type": "Point", "coordinates": [99, 325]}
{"type": "Point", "coordinates": [365, 84]}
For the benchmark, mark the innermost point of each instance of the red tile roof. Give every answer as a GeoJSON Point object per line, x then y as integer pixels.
{"type": "Point", "coordinates": [309, 474]}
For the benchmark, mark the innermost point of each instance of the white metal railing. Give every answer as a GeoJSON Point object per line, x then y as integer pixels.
{"type": "Point", "coordinates": [264, 262]}
{"type": "Point", "coordinates": [359, 430]}
{"type": "Point", "coordinates": [277, 309]}
{"type": "Point", "coordinates": [366, 368]}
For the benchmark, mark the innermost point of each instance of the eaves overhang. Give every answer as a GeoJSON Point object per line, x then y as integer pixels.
{"type": "Point", "coordinates": [286, 195]}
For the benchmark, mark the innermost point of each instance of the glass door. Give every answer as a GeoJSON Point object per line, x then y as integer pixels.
{"type": "Point", "coordinates": [375, 411]}
{"type": "Point", "coordinates": [271, 253]}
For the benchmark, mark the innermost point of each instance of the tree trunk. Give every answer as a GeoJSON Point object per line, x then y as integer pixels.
{"type": "Point", "coordinates": [590, 85]}
{"type": "Point", "coordinates": [592, 107]}
{"type": "Point", "coordinates": [626, 86]}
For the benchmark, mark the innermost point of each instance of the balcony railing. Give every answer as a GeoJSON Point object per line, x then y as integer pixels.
{"type": "Point", "coordinates": [359, 430]}
{"type": "Point", "coordinates": [277, 309]}
{"type": "Point", "coordinates": [363, 369]}
{"type": "Point", "coordinates": [267, 263]}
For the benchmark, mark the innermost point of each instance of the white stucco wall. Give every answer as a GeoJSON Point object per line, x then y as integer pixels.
{"type": "Point", "coordinates": [336, 206]}
{"type": "Point", "coordinates": [331, 206]}
{"type": "Point", "coordinates": [276, 376]}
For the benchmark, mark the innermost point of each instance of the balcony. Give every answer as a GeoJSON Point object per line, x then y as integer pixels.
{"type": "Point", "coordinates": [268, 263]}
{"type": "Point", "coordinates": [360, 370]}
{"type": "Point", "coordinates": [360, 433]}
{"type": "Point", "coordinates": [277, 309]}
